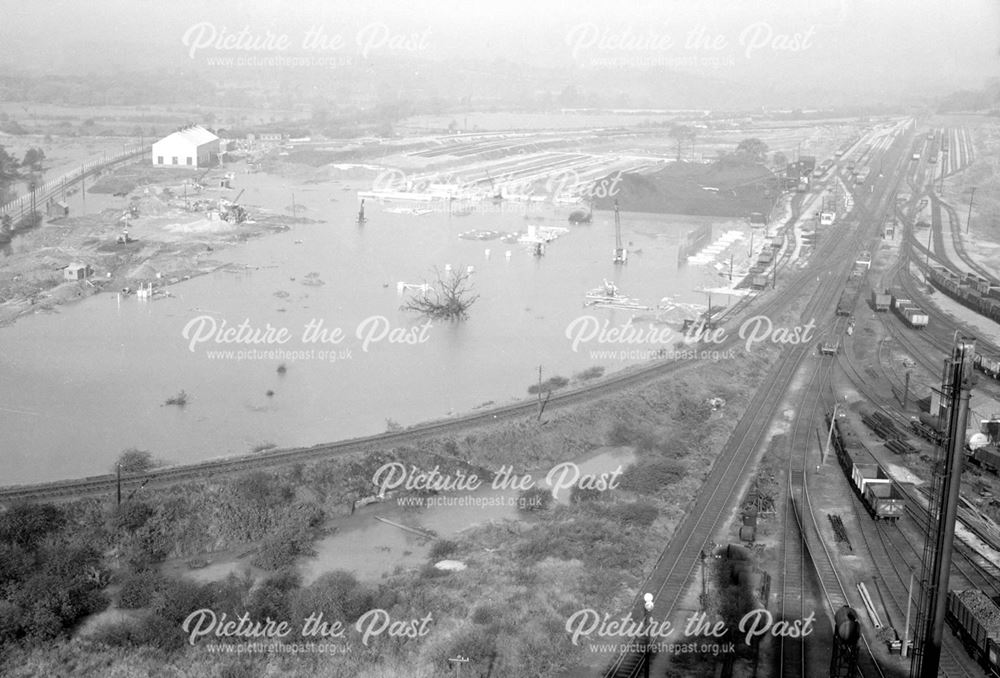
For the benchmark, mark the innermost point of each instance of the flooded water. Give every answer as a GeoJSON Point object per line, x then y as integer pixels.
{"type": "Point", "coordinates": [80, 385]}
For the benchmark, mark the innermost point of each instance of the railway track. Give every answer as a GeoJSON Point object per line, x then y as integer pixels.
{"type": "Point", "coordinates": [673, 569]}
{"type": "Point", "coordinates": [795, 553]}
{"type": "Point", "coordinates": [894, 574]}
{"type": "Point", "coordinates": [954, 225]}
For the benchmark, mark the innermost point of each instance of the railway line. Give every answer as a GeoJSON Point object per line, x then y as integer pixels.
{"type": "Point", "coordinates": [895, 574]}
{"type": "Point", "coordinates": [669, 577]}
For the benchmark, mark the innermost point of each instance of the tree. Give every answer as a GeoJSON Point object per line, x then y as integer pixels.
{"type": "Point", "coordinates": [9, 172]}
{"type": "Point", "coordinates": [133, 460]}
{"type": "Point", "coordinates": [682, 134]}
{"type": "Point", "coordinates": [752, 148]}
{"type": "Point", "coordinates": [33, 158]}
{"type": "Point", "coordinates": [779, 159]}
{"type": "Point", "coordinates": [448, 299]}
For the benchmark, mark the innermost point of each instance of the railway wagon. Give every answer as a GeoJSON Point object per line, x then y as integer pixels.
{"type": "Point", "coordinates": [875, 488]}
{"type": "Point", "coordinates": [910, 313]}
{"type": "Point", "coordinates": [975, 618]}
{"type": "Point", "coordinates": [988, 457]}
{"type": "Point", "coordinates": [966, 291]}
{"type": "Point", "coordinates": [881, 301]}
{"type": "Point", "coordinates": [849, 297]}
{"type": "Point", "coordinates": [987, 365]}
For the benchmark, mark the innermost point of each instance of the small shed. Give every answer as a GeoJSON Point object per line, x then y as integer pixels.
{"type": "Point", "coordinates": [77, 272]}
{"type": "Point", "coordinates": [56, 209]}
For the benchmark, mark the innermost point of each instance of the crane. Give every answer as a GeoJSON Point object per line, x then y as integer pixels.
{"type": "Point", "coordinates": [231, 211]}
{"type": "Point", "coordinates": [621, 255]}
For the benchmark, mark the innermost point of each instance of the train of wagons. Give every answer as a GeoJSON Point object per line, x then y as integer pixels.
{"type": "Point", "coordinates": [972, 291]}
{"type": "Point", "coordinates": [977, 294]}
{"type": "Point", "coordinates": [975, 618]}
{"type": "Point", "coordinates": [874, 487]}
{"type": "Point", "coordinates": [855, 281]}
{"type": "Point", "coordinates": [911, 314]}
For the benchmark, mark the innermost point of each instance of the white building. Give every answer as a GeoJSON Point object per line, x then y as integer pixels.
{"type": "Point", "coordinates": [192, 146]}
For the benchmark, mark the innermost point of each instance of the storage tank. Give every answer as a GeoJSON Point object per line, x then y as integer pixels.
{"type": "Point", "coordinates": [846, 625]}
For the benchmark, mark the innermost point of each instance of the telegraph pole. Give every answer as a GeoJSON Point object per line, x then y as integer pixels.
{"type": "Point", "coordinates": [959, 382]}
{"type": "Point", "coordinates": [968, 219]}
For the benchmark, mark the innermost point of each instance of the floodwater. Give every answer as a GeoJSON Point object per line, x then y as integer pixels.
{"type": "Point", "coordinates": [79, 385]}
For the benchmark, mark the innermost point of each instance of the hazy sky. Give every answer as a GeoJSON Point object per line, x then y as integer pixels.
{"type": "Point", "coordinates": [843, 44]}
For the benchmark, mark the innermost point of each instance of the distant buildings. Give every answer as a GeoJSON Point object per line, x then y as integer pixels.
{"type": "Point", "coordinates": [191, 147]}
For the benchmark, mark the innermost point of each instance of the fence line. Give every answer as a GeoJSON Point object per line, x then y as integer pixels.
{"type": "Point", "coordinates": [46, 190]}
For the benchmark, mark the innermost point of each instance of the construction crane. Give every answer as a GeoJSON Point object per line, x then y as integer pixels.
{"type": "Point", "coordinates": [231, 212]}
{"type": "Point", "coordinates": [621, 255]}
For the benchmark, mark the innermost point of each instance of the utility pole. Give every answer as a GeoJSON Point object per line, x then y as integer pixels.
{"type": "Point", "coordinates": [959, 381]}
{"type": "Point", "coordinates": [906, 625]}
{"type": "Point", "coordinates": [930, 232]}
{"type": "Point", "coordinates": [968, 219]}
{"type": "Point", "coordinates": [829, 435]}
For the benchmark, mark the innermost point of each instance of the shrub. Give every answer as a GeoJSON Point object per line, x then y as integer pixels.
{"type": "Point", "coordinates": [534, 499]}
{"type": "Point", "coordinates": [638, 514]}
{"type": "Point", "coordinates": [590, 373]}
{"type": "Point", "coordinates": [442, 549]}
{"type": "Point", "coordinates": [134, 460]}
{"type": "Point", "coordinates": [550, 384]}
{"type": "Point", "coordinates": [485, 614]}
{"type": "Point", "coordinates": [651, 476]}
{"type": "Point", "coordinates": [26, 524]}
{"type": "Point", "coordinates": [138, 589]}
{"type": "Point", "coordinates": [579, 495]}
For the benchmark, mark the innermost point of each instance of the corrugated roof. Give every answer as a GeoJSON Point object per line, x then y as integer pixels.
{"type": "Point", "coordinates": [195, 134]}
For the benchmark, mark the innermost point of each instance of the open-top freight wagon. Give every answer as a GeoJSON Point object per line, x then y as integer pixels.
{"type": "Point", "coordinates": [979, 294]}
{"type": "Point", "coordinates": [873, 485]}
{"type": "Point", "coordinates": [908, 311]}
{"type": "Point", "coordinates": [975, 618]}
{"type": "Point", "coordinates": [855, 281]}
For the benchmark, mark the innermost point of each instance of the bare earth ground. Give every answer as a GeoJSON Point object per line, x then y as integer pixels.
{"type": "Point", "coordinates": [173, 239]}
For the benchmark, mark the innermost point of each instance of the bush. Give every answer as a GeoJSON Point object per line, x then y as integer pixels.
{"type": "Point", "coordinates": [638, 514]}
{"type": "Point", "coordinates": [579, 495]}
{"type": "Point", "coordinates": [132, 515]}
{"type": "Point", "coordinates": [534, 499]}
{"type": "Point", "coordinates": [485, 614]}
{"type": "Point", "coordinates": [135, 461]}
{"type": "Point", "coordinates": [550, 384]}
{"type": "Point", "coordinates": [26, 524]}
{"type": "Point", "coordinates": [590, 373]}
{"type": "Point", "coordinates": [442, 549]}
{"type": "Point", "coordinates": [281, 550]}
{"type": "Point", "coordinates": [138, 589]}
{"type": "Point", "coordinates": [651, 476]}
{"type": "Point", "coordinates": [337, 595]}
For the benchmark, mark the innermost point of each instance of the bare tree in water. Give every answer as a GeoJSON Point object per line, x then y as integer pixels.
{"type": "Point", "coordinates": [449, 298]}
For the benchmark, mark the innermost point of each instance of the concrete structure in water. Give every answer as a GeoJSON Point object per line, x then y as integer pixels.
{"type": "Point", "coordinates": [191, 147]}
